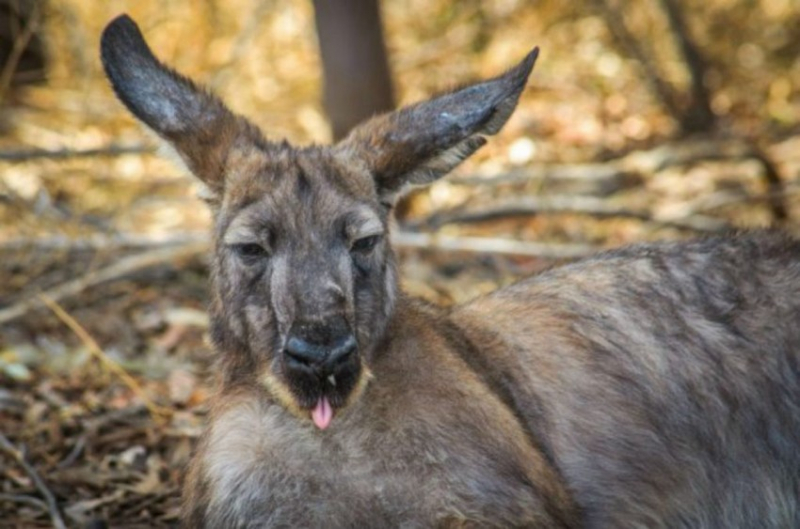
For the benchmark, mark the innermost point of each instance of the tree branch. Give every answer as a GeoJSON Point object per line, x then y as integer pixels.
{"type": "Point", "coordinates": [18, 48]}
{"type": "Point", "coordinates": [629, 44]}
{"type": "Point", "coordinates": [698, 116]}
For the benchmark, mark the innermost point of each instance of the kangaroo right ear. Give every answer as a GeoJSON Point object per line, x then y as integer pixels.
{"type": "Point", "coordinates": [197, 124]}
{"type": "Point", "coordinates": [420, 143]}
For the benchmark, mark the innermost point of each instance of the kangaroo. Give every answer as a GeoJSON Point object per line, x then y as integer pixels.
{"type": "Point", "coordinates": [652, 386]}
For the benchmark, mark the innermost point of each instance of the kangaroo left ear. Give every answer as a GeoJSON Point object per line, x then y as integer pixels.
{"type": "Point", "coordinates": [421, 143]}
{"type": "Point", "coordinates": [197, 124]}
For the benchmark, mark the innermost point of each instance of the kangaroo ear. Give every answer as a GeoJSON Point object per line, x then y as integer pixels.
{"type": "Point", "coordinates": [197, 124]}
{"type": "Point", "coordinates": [423, 142]}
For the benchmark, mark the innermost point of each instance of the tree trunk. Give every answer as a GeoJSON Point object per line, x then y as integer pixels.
{"type": "Point", "coordinates": [22, 57]}
{"type": "Point", "coordinates": [356, 72]}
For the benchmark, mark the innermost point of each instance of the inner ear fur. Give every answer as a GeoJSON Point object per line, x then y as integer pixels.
{"type": "Point", "coordinates": [193, 121]}
{"type": "Point", "coordinates": [422, 142]}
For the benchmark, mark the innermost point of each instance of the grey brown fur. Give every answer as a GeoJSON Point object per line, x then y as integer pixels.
{"type": "Point", "coordinates": [653, 386]}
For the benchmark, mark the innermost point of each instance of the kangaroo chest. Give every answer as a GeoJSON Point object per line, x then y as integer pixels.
{"type": "Point", "coordinates": [264, 468]}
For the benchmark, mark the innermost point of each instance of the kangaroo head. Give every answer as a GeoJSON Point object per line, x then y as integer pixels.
{"type": "Point", "coordinates": [304, 278]}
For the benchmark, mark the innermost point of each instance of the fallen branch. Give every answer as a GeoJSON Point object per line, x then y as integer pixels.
{"type": "Point", "coordinates": [690, 151]}
{"type": "Point", "coordinates": [24, 155]}
{"type": "Point", "coordinates": [18, 455]}
{"type": "Point", "coordinates": [121, 268]}
{"type": "Point", "coordinates": [103, 242]}
{"type": "Point", "coordinates": [405, 239]}
{"type": "Point", "coordinates": [725, 198]}
{"type": "Point", "coordinates": [532, 206]}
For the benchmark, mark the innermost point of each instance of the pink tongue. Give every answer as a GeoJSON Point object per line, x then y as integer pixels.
{"type": "Point", "coordinates": [322, 413]}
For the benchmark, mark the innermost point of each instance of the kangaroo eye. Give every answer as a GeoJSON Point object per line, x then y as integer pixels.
{"type": "Point", "coordinates": [250, 250]}
{"type": "Point", "coordinates": [365, 244]}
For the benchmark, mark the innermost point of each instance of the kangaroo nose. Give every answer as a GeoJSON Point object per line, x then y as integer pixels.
{"type": "Point", "coordinates": [304, 351]}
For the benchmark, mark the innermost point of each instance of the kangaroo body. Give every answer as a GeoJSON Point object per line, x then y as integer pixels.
{"type": "Point", "coordinates": [611, 392]}
{"type": "Point", "coordinates": [652, 386]}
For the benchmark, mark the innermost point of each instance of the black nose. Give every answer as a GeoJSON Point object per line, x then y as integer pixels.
{"type": "Point", "coordinates": [321, 353]}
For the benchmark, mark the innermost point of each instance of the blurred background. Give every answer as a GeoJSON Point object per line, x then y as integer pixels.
{"type": "Point", "coordinates": [643, 120]}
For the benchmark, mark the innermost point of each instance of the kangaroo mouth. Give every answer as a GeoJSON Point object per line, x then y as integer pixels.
{"type": "Point", "coordinates": [322, 391]}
